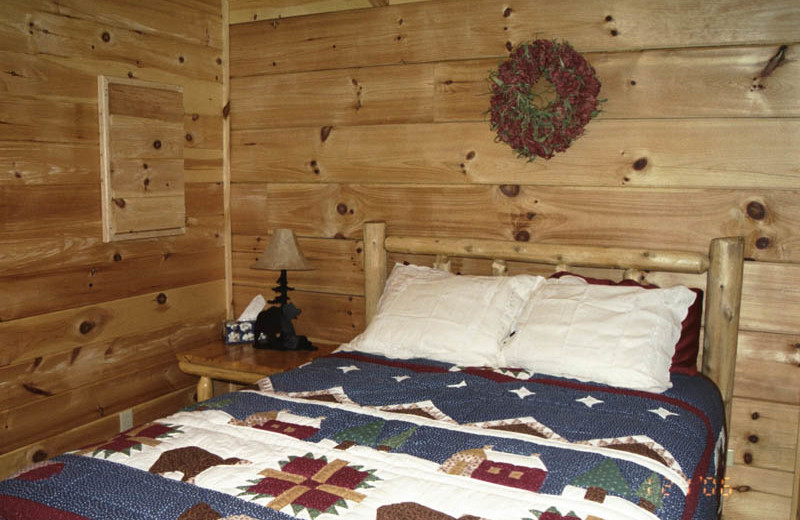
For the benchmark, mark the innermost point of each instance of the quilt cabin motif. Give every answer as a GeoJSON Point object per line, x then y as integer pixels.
{"type": "Point", "coordinates": [357, 437]}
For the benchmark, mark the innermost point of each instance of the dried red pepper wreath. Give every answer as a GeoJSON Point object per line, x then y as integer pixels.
{"type": "Point", "coordinates": [524, 117]}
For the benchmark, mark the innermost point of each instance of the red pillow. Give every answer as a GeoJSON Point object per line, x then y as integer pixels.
{"type": "Point", "coordinates": [685, 359]}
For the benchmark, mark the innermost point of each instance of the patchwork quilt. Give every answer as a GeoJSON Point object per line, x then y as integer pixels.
{"type": "Point", "coordinates": [355, 436]}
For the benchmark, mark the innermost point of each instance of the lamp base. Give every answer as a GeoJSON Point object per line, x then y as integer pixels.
{"type": "Point", "coordinates": [273, 330]}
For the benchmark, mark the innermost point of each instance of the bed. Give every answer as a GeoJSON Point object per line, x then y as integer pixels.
{"type": "Point", "coordinates": [450, 430]}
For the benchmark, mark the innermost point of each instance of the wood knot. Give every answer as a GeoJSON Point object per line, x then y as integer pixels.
{"type": "Point", "coordinates": [755, 416]}
{"type": "Point", "coordinates": [341, 208]}
{"type": "Point", "coordinates": [36, 390]}
{"type": "Point", "coordinates": [762, 243]}
{"type": "Point", "coordinates": [507, 12]}
{"type": "Point", "coordinates": [339, 236]}
{"type": "Point", "coordinates": [226, 110]}
{"type": "Point", "coordinates": [189, 137]}
{"type": "Point", "coordinates": [609, 18]}
{"type": "Point", "coordinates": [195, 116]}
{"type": "Point", "coordinates": [40, 456]}
{"type": "Point", "coordinates": [106, 37]}
{"type": "Point", "coordinates": [117, 257]}
{"type": "Point", "coordinates": [510, 190]}
{"type": "Point", "coordinates": [748, 457]}
{"type": "Point", "coordinates": [509, 46]}
{"type": "Point", "coordinates": [86, 327]}
{"type": "Point", "coordinates": [640, 164]}
{"type": "Point", "coordinates": [325, 132]}
{"type": "Point", "coordinates": [752, 438]}
{"type": "Point", "coordinates": [756, 210]}
{"type": "Point", "coordinates": [470, 155]}
{"type": "Point", "coordinates": [522, 236]}
{"type": "Point", "coordinates": [161, 298]}
{"type": "Point", "coordinates": [743, 488]}
{"type": "Point", "coordinates": [157, 144]}
{"type": "Point", "coordinates": [119, 202]}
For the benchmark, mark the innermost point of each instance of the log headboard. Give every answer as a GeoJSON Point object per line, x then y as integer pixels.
{"type": "Point", "coordinates": [723, 267]}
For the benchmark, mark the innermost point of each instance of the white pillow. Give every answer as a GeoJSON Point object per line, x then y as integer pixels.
{"type": "Point", "coordinates": [427, 313]}
{"type": "Point", "coordinates": [622, 336]}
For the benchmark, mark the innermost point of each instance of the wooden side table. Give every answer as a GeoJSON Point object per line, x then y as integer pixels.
{"type": "Point", "coordinates": [240, 363]}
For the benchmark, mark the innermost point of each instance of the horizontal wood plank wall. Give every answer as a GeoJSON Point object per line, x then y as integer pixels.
{"type": "Point", "coordinates": [87, 329]}
{"type": "Point", "coordinates": [339, 118]}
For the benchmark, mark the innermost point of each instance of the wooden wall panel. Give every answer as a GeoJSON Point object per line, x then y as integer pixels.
{"type": "Point", "coordinates": [616, 216]}
{"type": "Point", "coordinates": [90, 329]}
{"type": "Point", "coordinates": [711, 82]}
{"type": "Point", "coordinates": [751, 153]}
{"type": "Point", "coordinates": [674, 83]}
{"type": "Point", "coordinates": [95, 431]}
{"type": "Point", "coordinates": [46, 335]}
{"type": "Point", "coordinates": [22, 424]}
{"type": "Point", "coordinates": [351, 96]}
{"type": "Point", "coordinates": [332, 127]}
{"type": "Point", "coordinates": [436, 31]}
{"type": "Point", "coordinates": [251, 10]}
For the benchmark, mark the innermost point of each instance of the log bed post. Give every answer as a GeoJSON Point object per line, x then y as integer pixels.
{"type": "Point", "coordinates": [374, 266]}
{"type": "Point", "coordinates": [723, 295]}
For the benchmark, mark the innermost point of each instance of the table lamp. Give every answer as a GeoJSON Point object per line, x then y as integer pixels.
{"type": "Point", "coordinates": [273, 328]}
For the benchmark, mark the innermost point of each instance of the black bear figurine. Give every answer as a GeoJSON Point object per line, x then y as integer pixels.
{"type": "Point", "coordinates": [274, 330]}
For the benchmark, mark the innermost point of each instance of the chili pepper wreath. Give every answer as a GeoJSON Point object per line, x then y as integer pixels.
{"type": "Point", "coordinates": [542, 97]}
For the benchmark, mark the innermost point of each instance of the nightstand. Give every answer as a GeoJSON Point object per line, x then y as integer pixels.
{"type": "Point", "coordinates": [240, 363]}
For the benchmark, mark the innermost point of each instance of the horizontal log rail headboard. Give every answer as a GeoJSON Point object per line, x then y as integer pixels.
{"type": "Point", "coordinates": [723, 267]}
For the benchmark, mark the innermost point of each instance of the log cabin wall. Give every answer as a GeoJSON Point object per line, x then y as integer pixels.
{"type": "Point", "coordinates": [90, 329]}
{"type": "Point", "coordinates": [344, 117]}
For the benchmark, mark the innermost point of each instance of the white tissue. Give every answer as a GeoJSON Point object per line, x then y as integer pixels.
{"type": "Point", "coordinates": [255, 306]}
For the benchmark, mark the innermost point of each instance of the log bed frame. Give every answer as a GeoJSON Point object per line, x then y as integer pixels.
{"type": "Point", "coordinates": [723, 267]}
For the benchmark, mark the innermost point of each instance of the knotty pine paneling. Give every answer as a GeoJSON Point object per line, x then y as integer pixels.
{"type": "Point", "coordinates": [249, 10]}
{"type": "Point", "coordinates": [676, 83]}
{"type": "Point", "coordinates": [648, 218]}
{"type": "Point", "coordinates": [95, 431]}
{"type": "Point", "coordinates": [437, 31]}
{"type": "Point", "coordinates": [714, 153]}
{"type": "Point", "coordinates": [65, 235]}
{"type": "Point", "coordinates": [37, 338]}
{"type": "Point", "coordinates": [22, 424]}
{"type": "Point", "coordinates": [28, 162]}
{"type": "Point", "coordinates": [93, 361]}
{"type": "Point", "coordinates": [90, 329]}
{"type": "Point", "coordinates": [375, 95]}
{"type": "Point", "coordinates": [51, 291]}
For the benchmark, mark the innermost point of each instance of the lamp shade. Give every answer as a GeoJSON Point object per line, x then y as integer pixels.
{"type": "Point", "coordinates": [283, 253]}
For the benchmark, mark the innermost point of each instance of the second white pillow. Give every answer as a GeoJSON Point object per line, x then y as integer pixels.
{"type": "Point", "coordinates": [617, 335]}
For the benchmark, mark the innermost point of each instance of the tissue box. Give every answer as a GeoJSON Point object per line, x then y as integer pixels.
{"type": "Point", "coordinates": [238, 332]}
